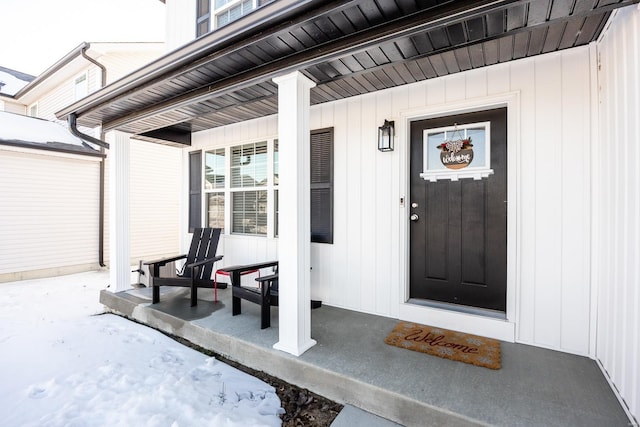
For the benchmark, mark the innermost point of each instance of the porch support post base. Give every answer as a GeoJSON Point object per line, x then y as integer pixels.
{"type": "Point", "coordinates": [298, 349]}
{"type": "Point", "coordinates": [119, 235]}
{"type": "Point", "coordinates": [294, 240]}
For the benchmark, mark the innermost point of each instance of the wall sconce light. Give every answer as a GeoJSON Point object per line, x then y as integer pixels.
{"type": "Point", "coordinates": [385, 136]}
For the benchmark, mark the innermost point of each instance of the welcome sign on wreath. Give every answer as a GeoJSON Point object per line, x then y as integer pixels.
{"type": "Point", "coordinates": [457, 152]}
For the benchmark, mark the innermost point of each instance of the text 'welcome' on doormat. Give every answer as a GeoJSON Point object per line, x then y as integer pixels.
{"type": "Point", "coordinates": [479, 351]}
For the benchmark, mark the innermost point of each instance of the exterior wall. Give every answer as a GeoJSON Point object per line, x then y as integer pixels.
{"type": "Point", "coordinates": [155, 184]}
{"type": "Point", "coordinates": [120, 59]}
{"type": "Point", "coordinates": [11, 106]}
{"type": "Point", "coordinates": [121, 63]}
{"type": "Point", "coordinates": [552, 259]}
{"type": "Point", "coordinates": [181, 23]}
{"type": "Point", "coordinates": [63, 94]}
{"type": "Point", "coordinates": [48, 214]}
{"type": "Point", "coordinates": [155, 188]}
{"type": "Point", "coordinates": [154, 200]}
{"type": "Point", "coordinates": [617, 207]}
{"type": "Point", "coordinates": [236, 249]}
{"type": "Point", "coordinates": [365, 268]}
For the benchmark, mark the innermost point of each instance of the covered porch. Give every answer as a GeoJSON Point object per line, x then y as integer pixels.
{"type": "Point", "coordinates": [351, 364]}
{"type": "Point", "coordinates": [350, 66]}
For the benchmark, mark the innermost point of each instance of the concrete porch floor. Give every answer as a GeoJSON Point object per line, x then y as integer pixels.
{"type": "Point", "coordinates": [351, 364]}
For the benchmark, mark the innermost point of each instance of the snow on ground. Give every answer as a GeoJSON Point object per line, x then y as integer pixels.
{"type": "Point", "coordinates": [63, 364]}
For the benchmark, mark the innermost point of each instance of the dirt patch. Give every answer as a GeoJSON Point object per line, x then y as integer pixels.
{"type": "Point", "coordinates": [302, 407]}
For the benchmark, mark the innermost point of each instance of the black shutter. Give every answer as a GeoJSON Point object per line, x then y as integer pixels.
{"type": "Point", "coordinates": [195, 190]}
{"type": "Point", "coordinates": [322, 185]}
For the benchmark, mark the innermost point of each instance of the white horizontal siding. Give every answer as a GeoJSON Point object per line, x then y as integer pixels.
{"type": "Point", "coordinates": [121, 63]}
{"type": "Point", "coordinates": [63, 94]}
{"type": "Point", "coordinates": [48, 211]}
{"type": "Point", "coordinates": [154, 193]}
{"type": "Point", "coordinates": [154, 200]}
{"type": "Point", "coordinates": [12, 107]}
{"type": "Point", "coordinates": [118, 63]}
{"type": "Point", "coordinates": [617, 207]}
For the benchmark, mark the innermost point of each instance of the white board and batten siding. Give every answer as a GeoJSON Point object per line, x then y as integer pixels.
{"type": "Point", "coordinates": [617, 207]}
{"type": "Point", "coordinates": [180, 28]}
{"type": "Point", "coordinates": [365, 268]}
{"type": "Point", "coordinates": [48, 214]}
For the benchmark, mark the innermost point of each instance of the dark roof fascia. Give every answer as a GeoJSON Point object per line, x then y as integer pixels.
{"type": "Point", "coordinates": [449, 12]}
{"type": "Point", "coordinates": [266, 17]}
{"type": "Point", "coordinates": [54, 146]}
{"type": "Point", "coordinates": [274, 17]}
{"type": "Point", "coordinates": [53, 69]}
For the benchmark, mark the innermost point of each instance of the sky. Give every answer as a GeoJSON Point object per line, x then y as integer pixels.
{"type": "Point", "coordinates": [62, 364]}
{"type": "Point", "coordinates": [35, 34]}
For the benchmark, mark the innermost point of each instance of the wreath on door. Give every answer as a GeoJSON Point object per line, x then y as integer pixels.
{"type": "Point", "coordinates": [457, 151]}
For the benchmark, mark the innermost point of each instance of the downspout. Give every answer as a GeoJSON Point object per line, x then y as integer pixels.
{"type": "Point", "coordinates": [103, 83]}
{"type": "Point", "coordinates": [103, 69]}
{"type": "Point", "coordinates": [89, 139]}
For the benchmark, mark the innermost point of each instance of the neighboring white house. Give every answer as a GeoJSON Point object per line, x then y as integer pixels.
{"type": "Point", "coordinates": [11, 81]}
{"type": "Point", "coordinates": [52, 208]}
{"type": "Point", "coordinates": [532, 237]}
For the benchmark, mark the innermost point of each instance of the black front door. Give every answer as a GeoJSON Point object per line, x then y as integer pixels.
{"type": "Point", "coordinates": [458, 249]}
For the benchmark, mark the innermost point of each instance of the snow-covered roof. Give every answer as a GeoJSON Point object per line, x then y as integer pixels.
{"type": "Point", "coordinates": [31, 132]}
{"type": "Point", "coordinates": [12, 81]}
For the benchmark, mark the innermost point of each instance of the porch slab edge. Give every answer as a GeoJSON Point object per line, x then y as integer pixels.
{"type": "Point", "coordinates": [340, 388]}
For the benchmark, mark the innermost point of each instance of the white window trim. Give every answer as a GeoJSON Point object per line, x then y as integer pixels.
{"type": "Point", "coordinates": [221, 190]}
{"type": "Point", "coordinates": [36, 106]}
{"type": "Point", "coordinates": [227, 6]}
{"type": "Point", "coordinates": [479, 325]}
{"type": "Point", "coordinates": [84, 74]}
{"type": "Point", "coordinates": [228, 190]}
{"type": "Point", "coordinates": [476, 173]}
{"type": "Point", "coordinates": [242, 189]}
{"type": "Point", "coordinates": [214, 13]}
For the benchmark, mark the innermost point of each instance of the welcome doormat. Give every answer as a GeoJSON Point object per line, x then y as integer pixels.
{"type": "Point", "coordinates": [479, 351]}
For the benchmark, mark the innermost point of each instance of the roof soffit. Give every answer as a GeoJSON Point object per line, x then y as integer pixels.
{"type": "Point", "coordinates": [350, 48]}
{"type": "Point", "coordinates": [266, 54]}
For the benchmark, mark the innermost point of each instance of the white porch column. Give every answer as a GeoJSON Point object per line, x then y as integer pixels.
{"type": "Point", "coordinates": [119, 235]}
{"type": "Point", "coordinates": [294, 240]}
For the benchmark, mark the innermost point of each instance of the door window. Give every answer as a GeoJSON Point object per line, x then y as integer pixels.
{"type": "Point", "coordinates": [457, 152]}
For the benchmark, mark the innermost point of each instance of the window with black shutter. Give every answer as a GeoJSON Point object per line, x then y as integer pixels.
{"type": "Point", "coordinates": [322, 185]}
{"type": "Point", "coordinates": [195, 190]}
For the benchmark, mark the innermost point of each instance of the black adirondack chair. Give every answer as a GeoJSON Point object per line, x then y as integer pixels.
{"type": "Point", "coordinates": [265, 296]}
{"type": "Point", "coordinates": [197, 269]}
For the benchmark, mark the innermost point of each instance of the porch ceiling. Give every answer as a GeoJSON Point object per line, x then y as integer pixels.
{"type": "Point", "coordinates": [347, 47]}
